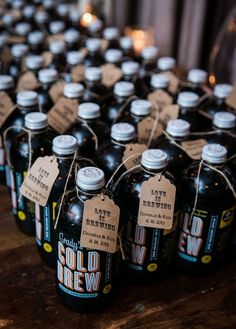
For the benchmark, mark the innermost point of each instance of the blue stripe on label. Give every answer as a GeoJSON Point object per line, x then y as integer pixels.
{"type": "Point", "coordinates": [77, 294]}
{"type": "Point", "coordinates": [135, 267]}
{"type": "Point", "coordinates": [46, 215]}
{"type": "Point", "coordinates": [155, 244]}
{"type": "Point", "coordinates": [211, 234]}
{"type": "Point", "coordinates": [187, 257]}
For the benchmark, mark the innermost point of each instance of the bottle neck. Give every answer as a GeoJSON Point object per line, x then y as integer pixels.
{"type": "Point", "coordinates": [163, 89]}
{"type": "Point", "coordinates": [121, 99]}
{"type": "Point", "coordinates": [178, 139]}
{"type": "Point", "coordinates": [223, 129]}
{"type": "Point", "coordinates": [215, 165]}
{"type": "Point", "coordinates": [37, 131]}
{"type": "Point", "coordinates": [184, 110]}
{"type": "Point", "coordinates": [121, 143]}
{"type": "Point", "coordinates": [88, 193]}
{"type": "Point", "coordinates": [153, 171]}
{"type": "Point", "coordinates": [88, 121]}
{"type": "Point", "coordinates": [90, 84]}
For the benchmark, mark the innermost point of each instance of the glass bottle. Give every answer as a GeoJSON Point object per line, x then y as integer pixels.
{"type": "Point", "coordinates": [34, 63]}
{"type": "Point", "coordinates": [57, 48]}
{"type": "Point", "coordinates": [165, 64]}
{"type": "Point", "coordinates": [36, 42]}
{"type": "Point", "coordinates": [113, 56]}
{"type": "Point", "coordinates": [196, 81]}
{"type": "Point", "coordinates": [95, 90]}
{"type": "Point", "coordinates": [130, 72]}
{"type": "Point", "coordinates": [127, 46]}
{"type": "Point", "coordinates": [47, 78]}
{"type": "Point", "coordinates": [72, 39]}
{"type": "Point", "coordinates": [22, 29]}
{"type": "Point", "coordinates": [112, 35]}
{"type": "Point", "coordinates": [73, 58]}
{"type": "Point", "coordinates": [57, 27]}
{"type": "Point", "coordinates": [18, 52]}
{"type": "Point", "coordinates": [94, 57]}
{"type": "Point", "coordinates": [149, 58]}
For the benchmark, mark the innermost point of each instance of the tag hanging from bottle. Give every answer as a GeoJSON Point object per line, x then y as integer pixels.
{"type": "Point", "coordinates": [159, 99]}
{"type": "Point", "coordinates": [110, 74]}
{"type": "Point", "coordinates": [100, 224]}
{"type": "Point", "coordinates": [77, 73]}
{"type": "Point", "coordinates": [170, 112]}
{"type": "Point", "coordinates": [6, 107]}
{"type": "Point", "coordinates": [56, 90]}
{"type": "Point", "coordinates": [133, 149]}
{"type": "Point", "coordinates": [194, 148]}
{"type": "Point", "coordinates": [27, 81]}
{"type": "Point", "coordinates": [39, 180]}
{"type": "Point", "coordinates": [174, 81]}
{"type": "Point", "coordinates": [145, 128]}
{"type": "Point", "coordinates": [157, 202]}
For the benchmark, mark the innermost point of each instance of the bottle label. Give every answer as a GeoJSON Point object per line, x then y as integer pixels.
{"type": "Point", "coordinates": [81, 272]}
{"type": "Point", "coordinates": [39, 180]}
{"type": "Point", "coordinates": [194, 148]}
{"type": "Point", "coordinates": [110, 74]}
{"type": "Point", "coordinates": [204, 236]}
{"type": "Point", "coordinates": [146, 127]}
{"type": "Point", "coordinates": [135, 152]}
{"type": "Point", "coordinates": [157, 202]}
{"type": "Point", "coordinates": [6, 108]}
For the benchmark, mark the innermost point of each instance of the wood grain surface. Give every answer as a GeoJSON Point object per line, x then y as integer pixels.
{"type": "Point", "coordinates": [28, 298]}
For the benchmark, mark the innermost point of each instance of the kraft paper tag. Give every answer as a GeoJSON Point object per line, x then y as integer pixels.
{"type": "Point", "coordinates": [110, 74]}
{"type": "Point", "coordinates": [6, 56]}
{"type": "Point", "coordinates": [63, 114]}
{"type": "Point", "coordinates": [145, 128]}
{"type": "Point", "coordinates": [27, 81]}
{"type": "Point", "coordinates": [132, 149]}
{"type": "Point", "coordinates": [77, 73]}
{"type": "Point", "coordinates": [39, 180]}
{"type": "Point", "coordinates": [231, 99]}
{"type": "Point", "coordinates": [55, 37]}
{"type": "Point", "coordinates": [174, 81]}
{"type": "Point", "coordinates": [194, 148]}
{"type": "Point", "coordinates": [56, 90]}
{"type": "Point", "coordinates": [14, 39]}
{"type": "Point", "coordinates": [104, 45]}
{"type": "Point", "coordinates": [6, 107]}
{"type": "Point", "coordinates": [170, 112]}
{"type": "Point", "coordinates": [100, 224]}
{"type": "Point", "coordinates": [159, 99]}
{"type": "Point", "coordinates": [157, 202]}
{"type": "Point", "coordinates": [48, 58]}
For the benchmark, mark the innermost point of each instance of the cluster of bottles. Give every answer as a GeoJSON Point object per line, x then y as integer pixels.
{"type": "Point", "coordinates": [121, 126]}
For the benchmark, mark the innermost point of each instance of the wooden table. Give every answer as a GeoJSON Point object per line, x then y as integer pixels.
{"type": "Point", "coordinates": [28, 298]}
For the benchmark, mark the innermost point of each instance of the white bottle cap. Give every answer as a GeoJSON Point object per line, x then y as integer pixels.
{"type": "Point", "coordinates": [95, 26]}
{"type": "Point", "coordinates": [74, 16]}
{"type": "Point", "coordinates": [6, 82]}
{"type": "Point", "coordinates": [8, 19]}
{"type": "Point", "coordinates": [150, 53]}
{"type": "Point", "coordinates": [178, 128]}
{"type": "Point", "coordinates": [222, 90]}
{"type": "Point", "coordinates": [41, 17]}
{"type": "Point", "coordinates": [36, 120]}
{"type": "Point", "coordinates": [93, 73]}
{"type": "Point", "coordinates": [34, 62]}
{"type": "Point", "coordinates": [64, 145]}
{"type": "Point", "coordinates": [19, 50]}
{"type": "Point", "coordinates": [93, 44]}
{"type": "Point", "coordinates": [73, 90]}
{"type": "Point", "coordinates": [111, 33]}
{"type": "Point", "coordinates": [197, 76]}
{"type": "Point", "coordinates": [29, 11]}
{"type": "Point", "coordinates": [90, 178]}
{"type": "Point", "coordinates": [124, 89]}
{"type": "Point", "coordinates": [27, 98]}
{"type": "Point", "coordinates": [141, 107]}
{"type": "Point", "coordinates": [56, 27]}
{"type": "Point", "coordinates": [113, 55]}
{"type": "Point", "coordinates": [48, 4]}
{"type": "Point", "coordinates": [47, 75]}
{"type": "Point", "coordinates": [154, 159]}
{"type": "Point", "coordinates": [126, 43]}
{"type": "Point", "coordinates": [17, 4]}
{"type": "Point", "coordinates": [188, 99]}
{"type": "Point", "coordinates": [122, 132]}
{"type": "Point", "coordinates": [23, 29]}
{"type": "Point", "coordinates": [35, 38]}
{"type": "Point", "coordinates": [57, 47]}
{"type": "Point", "coordinates": [88, 111]}
{"type": "Point", "coordinates": [63, 9]}
{"type": "Point", "coordinates": [160, 81]}
{"type": "Point", "coordinates": [71, 36]}
{"type": "Point", "coordinates": [75, 57]}
{"type": "Point", "coordinates": [130, 68]}
{"type": "Point", "coordinates": [224, 120]}
{"type": "Point", "coordinates": [166, 63]}
{"type": "Point", "coordinates": [214, 153]}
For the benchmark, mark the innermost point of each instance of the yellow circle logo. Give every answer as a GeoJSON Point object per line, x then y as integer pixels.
{"type": "Point", "coordinates": [152, 267]}
{"type": "Point", "coordinates": [21, 215]}
{"type": "Point", "coordinates": [47, 247]}
{"type": "Point", "coordinates": [107, 289]}
{"type": "Point", "coordinates": [206, 259]}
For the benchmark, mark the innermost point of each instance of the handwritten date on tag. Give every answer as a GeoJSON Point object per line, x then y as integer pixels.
{"type": "Point", "coordinates": [157, 202]}
{"type": "Point", "coordinates": [110, 74]}
{"type": "Point", "coordinates": [100, 224]}
{"type": "Point", "coordinates": [194, 148]}
{"type": "Point", "coordinates": [135, 152]}
{"type": "Point", "coordinates": [231, 99]}
{"type": "Point", "coordinates": [146, 127]}
{"type": "Point", "coordinates": [6, 107]}
{"type": "Point", "coordinates": [39, 180]}
{"type": "Point", "coordinates": [63, 114]}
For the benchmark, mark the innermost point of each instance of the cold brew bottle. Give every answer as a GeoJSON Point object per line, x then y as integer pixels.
{"type": "Point", "coordinates": [149, 58]}
{"type": "Point", "coordinates": [36, 42]}
{"type": "Point", "coordinates": [89, 131]}
{"type": "Point", "coordinates": [22, 29]}
{"type": "Point", "coordinates": [149, 251]}
{"type": "Point", "coordinates": [207, 212]}
{"type": "Point", "coordinates": [86, 277]}
{"type": "Point", "coordinates": [72, 39]}
{"type": "Point", "coordinates": [24, 150]}
{"type": "Point", "coordinates": [57, 27]}
{"type": "Point", "coordinates": [34, 63]}
{"type": "Point", "coordinates": [64, 148]}
{"type": "Point", "coordinates": [95, 89]}
{"type": "Point", "coordinates": [112, 35]}
{"type": "Point", "coordinates": [42, 19]}
{"type": "Point", "coordinates": [73, 58]}
{"type": "Point", "coordinates": [74, 90]}
{"type": "Point", "coordinates": [127, 47]}
{"type": "Point", "coordinates": [47, 78]}
{"type": "Point", "coordinates": [57, 48]}
{"type": "Point", "coordinates": [94, 57]}
{"type": "Point", "coordinates": [196, 81]}
{"type": "Point", "coordinates": [95, 29]}
{"type": "Point", "coordinates": [130, 72]}
{"type": "Point", "coordinates": [18, 52]}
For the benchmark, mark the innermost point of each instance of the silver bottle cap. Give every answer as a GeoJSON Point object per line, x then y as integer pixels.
{"type": "Point", "coordinates": [23, 29]}
{"type": "Point", "coordinates": [90, 178]}
{"type": "Point", "coordinates": [111, 33]}
{"type": "Point", "coordinates": [34, 62]}
{"type": "Point", "coordinates": [73, 90]}
{"type": "Point", "coordinates": [214, 153]}
{"type": "Point", "coordinates": [126, 43]}
{"type": "Point", "coordinates": [224, 120]}
{"type": "Point", "coordinates": [19, 50]}
{"type": "Point", "coordinates": [36, 120]}
{"type": "Point", "coordinates": [197, 76]}
{"type": "Point", "coordinates": [95, 26]}
{"type": "Point", "coordinates": [29, 11]}
{"type": "Point", "coordinates": [124, 89]}
{"type": "Point", "coordinates": [154, 159]}
{"type": "Point", "coordinates": [27, 98]}
{"type": "Point", "coordinates": [222, 90]}
{"type": "Point", "coordinates": [93, 74]}
{"type": "Point", "coordinates": [47, 75]}
{"type": "Point", "coordinates": [64, 145]}
{"type": "Point", "coordinates": [130, 68]}
{"type": "Point", "coordinates": [150, 53]}
{"type": "Point", "coordinates": [71, 36]}
{"type": "Point", "coordinates": [188, 99]}
{"type": "Point", "coordinates": [122, 132]}
{"type": "Point", "coordinates": [178, 128]}
{"type": "Point", "coordinates": [75, 57]}
{"type": "Point", "coordinates": [166, 63]}
{"type": "Point", "coordinates": [159, 80]}
{"type": "Point", "coordinates": [141, 107]}
{"type": "Point", "coordinates": [35, 38]}
{"type": "Point", "coordinates": [57, 47]}
{"type": "Point", "coordinates": [89, 110]}
{"type": "Point", "coordinates": [63, 9]}
{"type": "Point", "coordinates": [48, 4]}
{"type": "Point", "coordinates": [113, 55]}
{"type": "Point", "coordinates": [41, 17]}
{"type": "Point", "coordinates": [6, 82]}
{"type": "Point", "coordinates": [93, 44]}
{"type": "Point", "coordinates": [56, 27]}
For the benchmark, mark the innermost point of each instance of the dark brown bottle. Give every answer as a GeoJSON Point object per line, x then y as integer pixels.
{"type": "Point", "coordinates": [74, 91]}
{"type": "Point", "coordinates": [149, 58]}
{"type": "Point", "coordinates": [42, 20]}
{"type": "Point", "coordinates": [94, 57]}
{"type": "Point", "coordinates": [47, 78]}
{"type": "Point", "coordinates": [57, 48]}
{"type": "Point", "coordinates": [73, 58]}
{"type": "Point", "coordinates": [160, 81]}
{"type": "Point", "coordinates": [95, 29]}
{"type": "Point", "coordinates": [208, 216]}
{"type": "Point", "coordinates": [149, 252]}
{"type": "Point", "coordinates": [112, 35]}
{"type": "Point", "coordinates": [127, 47]}
{"type": "Point", "coordinates": [36, 42]}
{"type": "Point", "coordinates": [18, 52]}
{"type": "Point", "coordinates": [130, 72]}
{"type": "Point", "coordinates": [57, 27]}
{"type": "Point", "coordinates": [22, 29]}
{"type": "Point", "coordinates": [34, 63]}
{"type": "Point", "coordinates": [28, 14]}
{"type": "Point", "coordinates": [113, 56]}
{"type": "Point", "coordinates": [72, 39]}
{"type": "Point", "coordinates": [196, 81]}
{"type": "Point", "coordinates": [95, 90]}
